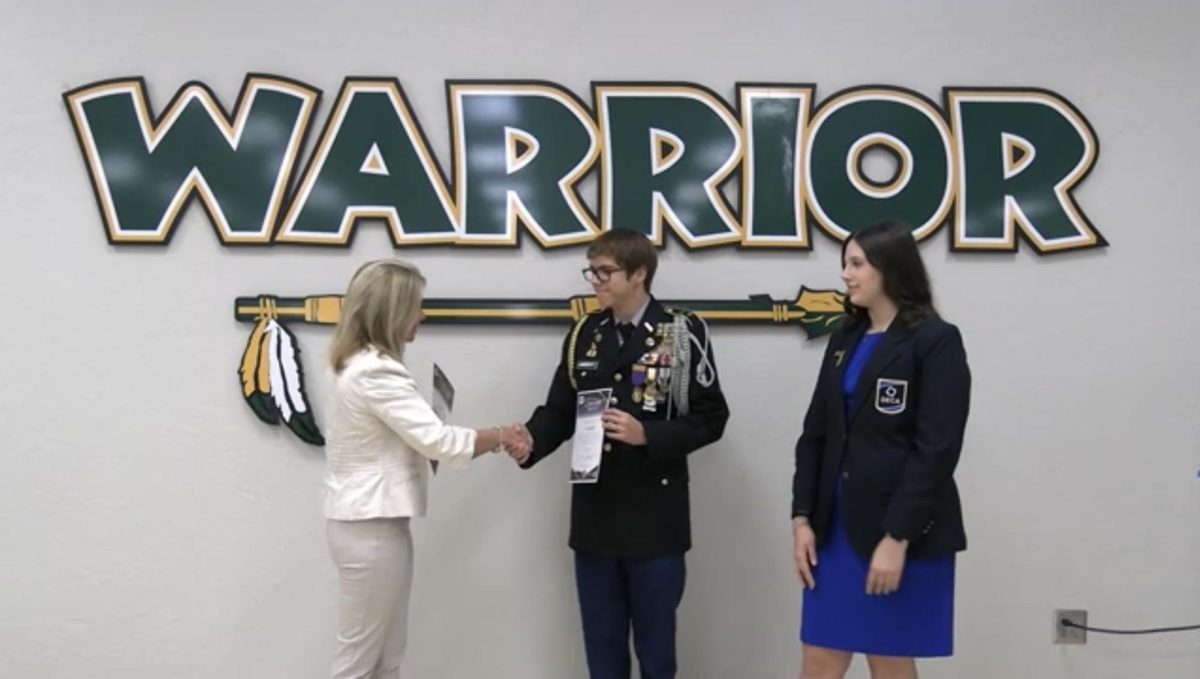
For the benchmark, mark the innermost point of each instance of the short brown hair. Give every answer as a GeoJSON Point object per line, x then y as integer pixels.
{"type": "Point", "coordinates": [629, 249]}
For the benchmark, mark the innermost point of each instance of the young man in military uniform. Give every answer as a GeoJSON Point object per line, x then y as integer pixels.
{"type": "Point", "coordinates": [631, 527]}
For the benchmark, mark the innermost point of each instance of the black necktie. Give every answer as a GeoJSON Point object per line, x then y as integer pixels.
{"type": "Point", "coordinates": [625, 331]}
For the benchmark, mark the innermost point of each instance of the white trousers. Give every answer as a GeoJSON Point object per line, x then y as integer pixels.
{"type": "Point", "coordinates": [374, 559]}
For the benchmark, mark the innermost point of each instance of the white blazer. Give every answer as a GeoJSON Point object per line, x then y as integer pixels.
{"type": "Point", "coordinates": [378, 432]}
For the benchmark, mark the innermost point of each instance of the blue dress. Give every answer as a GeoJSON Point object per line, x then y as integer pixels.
{"type": "Point", "coordinates": [916, 621]}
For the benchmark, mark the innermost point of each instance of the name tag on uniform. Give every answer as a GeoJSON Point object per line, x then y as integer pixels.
{"type": "Point", "coordinates": [585, 366]}
{"type": "Point", "coordinates": [891, 396]}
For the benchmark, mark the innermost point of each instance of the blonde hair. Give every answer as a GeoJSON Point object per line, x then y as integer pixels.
{"type": "Point", "coordinates": [381, 306]}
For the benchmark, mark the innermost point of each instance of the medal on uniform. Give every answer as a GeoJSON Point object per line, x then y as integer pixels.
{"type": "Point", "coordinates": [666, 333]}
{"type": "Point", "coordinates": [637, 394]}
{"type": "Point", "coordinates": [650, 397]}
{"type": "Point", "coordinates": [638, 376]}
{"type": "Point", "coordinates": [591, 352]}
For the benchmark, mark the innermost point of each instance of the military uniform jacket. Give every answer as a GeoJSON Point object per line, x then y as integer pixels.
{"type": "Point", "coordinates": [639, 508]}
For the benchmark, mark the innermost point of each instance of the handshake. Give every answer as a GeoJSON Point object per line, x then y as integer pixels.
{"type": "Point", "coordinates": [516, 441]}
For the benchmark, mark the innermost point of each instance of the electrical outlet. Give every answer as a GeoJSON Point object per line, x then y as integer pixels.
{"type": "Point", "coordinates": [1070, 635]}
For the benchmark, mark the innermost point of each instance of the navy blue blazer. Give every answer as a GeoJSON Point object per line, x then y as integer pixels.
{"type": "Point", "coordinates": [895, 454]}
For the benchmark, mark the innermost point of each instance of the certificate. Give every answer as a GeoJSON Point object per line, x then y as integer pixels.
{"type": "Point", "coordinates": [589, 435]}
{"type": "Point", "coordinates": [443, 400]}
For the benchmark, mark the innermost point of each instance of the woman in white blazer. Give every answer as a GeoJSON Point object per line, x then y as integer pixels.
{"type": "Point", "coordinates": [380, 437]}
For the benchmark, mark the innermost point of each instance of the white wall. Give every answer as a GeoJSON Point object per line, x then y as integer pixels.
{"type": "Point", "coordinates": [153, 528]}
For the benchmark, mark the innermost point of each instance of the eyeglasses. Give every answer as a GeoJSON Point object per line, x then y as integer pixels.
{"type": "Point", "coordinates": [593, 275]}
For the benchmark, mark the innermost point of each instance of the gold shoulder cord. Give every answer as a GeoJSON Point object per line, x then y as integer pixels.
{"type": "Point", "coordinates": [571, 351]}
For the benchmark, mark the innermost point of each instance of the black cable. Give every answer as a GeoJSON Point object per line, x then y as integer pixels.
{"type": "Point", "coordinates": [1100, 630]}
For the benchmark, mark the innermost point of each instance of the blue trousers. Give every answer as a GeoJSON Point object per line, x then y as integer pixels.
{"type": "Point", "coordinates": [615, 594]}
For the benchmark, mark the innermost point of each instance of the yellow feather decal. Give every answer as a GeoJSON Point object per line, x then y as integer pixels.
{"type": "Point", "coordinates": [250, 359]}
{"type": "Point", "coordinates": [264, 367]}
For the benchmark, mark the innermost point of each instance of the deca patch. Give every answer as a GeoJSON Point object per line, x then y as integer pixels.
{"type": "Point", "coordinates": [891, 396]}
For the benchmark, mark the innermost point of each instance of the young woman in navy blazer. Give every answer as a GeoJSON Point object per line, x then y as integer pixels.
{"type": "Point", "coordinates": [875, 510]}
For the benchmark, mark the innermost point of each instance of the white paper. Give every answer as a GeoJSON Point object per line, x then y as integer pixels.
{"type": "Point", "coordinates": [442, 401]}
{"type": "Point", "coordinates": [589, 435]}
{"type": "Point", "coordinates": [443, 394]}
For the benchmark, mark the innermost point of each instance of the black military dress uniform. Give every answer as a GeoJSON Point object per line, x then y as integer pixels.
{"type": "Point", "coordinates": [631, 528]}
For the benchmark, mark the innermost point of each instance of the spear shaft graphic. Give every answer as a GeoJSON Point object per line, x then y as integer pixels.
{"type": "Point", "coordinates": [816, 311]}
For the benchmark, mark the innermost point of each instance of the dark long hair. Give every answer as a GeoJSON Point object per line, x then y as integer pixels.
{"type": "Point", "coordinates": [890, 248]}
